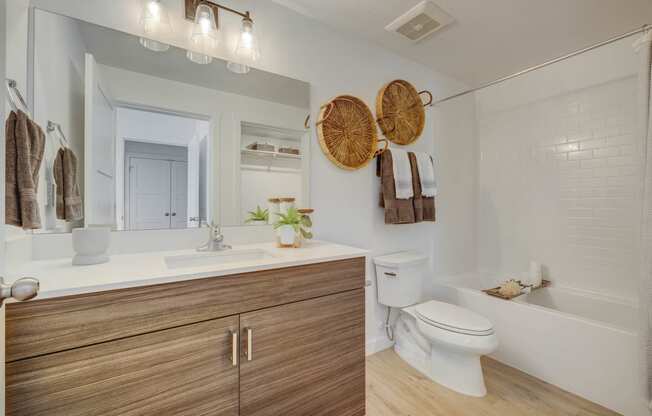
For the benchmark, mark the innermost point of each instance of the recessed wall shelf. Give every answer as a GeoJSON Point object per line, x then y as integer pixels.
{"type": "Point", "coordinates": [274, 155]}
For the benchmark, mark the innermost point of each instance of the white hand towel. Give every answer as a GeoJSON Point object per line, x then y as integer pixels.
{"type": "Point", "coordinates": [402, 174]}
{"type": "Point", "coordinates": [426, 174]}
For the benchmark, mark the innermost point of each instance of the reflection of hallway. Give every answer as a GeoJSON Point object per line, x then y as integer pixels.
{"type": "Point", "coordinates": [163, 159]}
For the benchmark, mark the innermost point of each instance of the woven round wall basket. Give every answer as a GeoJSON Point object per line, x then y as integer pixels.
{"type": "Point", "coordinates": [347, 132]}
{"type": "Point", "coordinates": [400, 111]}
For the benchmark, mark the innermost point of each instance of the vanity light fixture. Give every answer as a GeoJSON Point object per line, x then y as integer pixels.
{"type": "Point", "coordinates": [155, 24]}
{"type": "Point", "coordinates": [246, 52]}
{"type": "Point", "coordinates": [203, 39]}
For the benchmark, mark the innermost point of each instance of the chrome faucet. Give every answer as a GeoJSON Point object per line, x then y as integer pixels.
{"type": "Point", "coordinates": [215, 240]}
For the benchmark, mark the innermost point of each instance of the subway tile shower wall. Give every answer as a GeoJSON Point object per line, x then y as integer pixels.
{"type": "Point", "coordinates": [560, 181]}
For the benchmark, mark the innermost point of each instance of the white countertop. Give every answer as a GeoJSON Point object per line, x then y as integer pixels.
{"type": "Point", "coordinates": [60, 278]}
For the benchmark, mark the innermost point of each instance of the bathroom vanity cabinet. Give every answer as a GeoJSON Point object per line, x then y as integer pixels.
{"type": "Point", "coordinates": [276, 342]}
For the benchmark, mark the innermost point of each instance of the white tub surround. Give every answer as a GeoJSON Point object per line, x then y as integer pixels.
{"type": "Point", "coordinates": [59, 277]}
{"type": "Point", "coordinates": [578, 341]}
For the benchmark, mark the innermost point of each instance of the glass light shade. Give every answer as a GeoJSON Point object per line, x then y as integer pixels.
{"type": "Point", "coordinates": [237, 68]}
{"type": "Point", "coordinates": [155, 25]}
{"type": "Point", "coordinates": [247, 51]}
{"type": "Point", "coordinates": [203, 38]}
{"type": "Point", "coordinates": [154, 45]}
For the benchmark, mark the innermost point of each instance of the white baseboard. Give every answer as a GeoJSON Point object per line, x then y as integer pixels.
{"type": "Point", "coordinates": [378, 344]}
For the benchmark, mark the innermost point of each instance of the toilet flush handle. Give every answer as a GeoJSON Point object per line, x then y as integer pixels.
{"type": "Point", "coordinates": [388, 274]}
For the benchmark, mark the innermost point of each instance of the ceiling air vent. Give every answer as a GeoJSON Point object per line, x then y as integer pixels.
{"type": "Point", "coordinates": [422, 20]}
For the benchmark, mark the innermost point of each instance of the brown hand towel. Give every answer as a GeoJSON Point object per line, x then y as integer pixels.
{"type": "Point", "coordinates": [25, 146]}
{"type": "Point", "coordinates": [69, 204]}
{"type": "Point", "coordinates": [424, 207]}
{"type": "Point", "coordinates": [12, 196]}
{"type": "Point", "coordinates": [397, 211]}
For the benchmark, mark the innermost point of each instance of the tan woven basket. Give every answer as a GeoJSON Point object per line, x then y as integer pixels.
{"type": "Point", "coordinates": [347, 132]}
{"type": "Point", "coordinates": [400, 111]}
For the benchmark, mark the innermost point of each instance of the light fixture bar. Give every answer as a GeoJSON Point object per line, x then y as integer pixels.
{"type": "Point", "coordinates": [191, 6]}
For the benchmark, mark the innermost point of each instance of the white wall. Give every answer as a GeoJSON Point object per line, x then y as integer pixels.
{"type": "Point", "coordinates": [59, 97]}
{"type": "Point", "coordinates": [560, 174]}
{"type": "Point", "coordinates": [333, 63]}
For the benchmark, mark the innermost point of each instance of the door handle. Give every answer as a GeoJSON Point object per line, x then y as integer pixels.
{"type": "Point", "coordinates": [23, 289]}
{"type": "Point", "coordinates": [234, 348]}
{"type": "Point", "coordinates": [249, 353]}
{"type": "Point", "coordinates": [174, 214]}
{"type": "Point", "coordinates": [167, 214]}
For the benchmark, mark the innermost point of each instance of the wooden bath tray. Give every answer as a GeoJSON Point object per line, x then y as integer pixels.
{"type": "Point", "coordinates": [495, 291]}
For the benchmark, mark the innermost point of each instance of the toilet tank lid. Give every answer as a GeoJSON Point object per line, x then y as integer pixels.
{"type": "Point", "coordinates": [402, 259]}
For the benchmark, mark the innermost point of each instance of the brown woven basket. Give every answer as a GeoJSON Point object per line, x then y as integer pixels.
{"type": "Point", "coordinates": [347, 132]}
{"type": "Point", "coordinates": [400, 111]}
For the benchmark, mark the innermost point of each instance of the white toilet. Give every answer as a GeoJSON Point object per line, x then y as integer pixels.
{"type": "Point", "coordinates": [441, 340]}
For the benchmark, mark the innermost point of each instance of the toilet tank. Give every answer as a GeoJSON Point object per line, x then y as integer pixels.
{"type": "Point", "coordinates": [399, 278]}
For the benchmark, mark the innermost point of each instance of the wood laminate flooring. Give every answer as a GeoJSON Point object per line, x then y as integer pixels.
{"type": "Point", "coordinates": [396, 389]}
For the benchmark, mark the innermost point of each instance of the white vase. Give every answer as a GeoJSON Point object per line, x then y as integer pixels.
{"type": "Point", "coordinates": [286, 235]}
{"type": "Point", "coordinates": [90, 245]}
{"type": "Point", "coordinates": [259, 222]}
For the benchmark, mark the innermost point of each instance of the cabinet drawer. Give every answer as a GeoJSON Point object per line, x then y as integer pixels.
{"type": "Point", "coordinates": [185, 371]}
{"type": "Point", "coordinates": [45, 326]}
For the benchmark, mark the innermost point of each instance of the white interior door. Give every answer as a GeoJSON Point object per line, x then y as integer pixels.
{"type": "Point", "coordinates": [179, 195]}
{"type": "Point", "coordinates": [99, 150]}
{"type": "Point", "coordinates": [149, 194]}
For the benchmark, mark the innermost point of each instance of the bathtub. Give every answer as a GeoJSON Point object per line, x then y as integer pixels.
{"type": "Point", "coordinates": [580, 342]}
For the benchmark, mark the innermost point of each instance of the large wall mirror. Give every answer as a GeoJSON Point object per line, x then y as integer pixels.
{"type": "Point", "coordinates": [161, 142]}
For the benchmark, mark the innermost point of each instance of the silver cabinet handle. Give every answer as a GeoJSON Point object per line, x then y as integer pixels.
{"type": "Point", "coordinates": [23, 289]}
{"type": "Point", "coordinates": [249, 353]}
{"type": "Point", "coordinates": [234, 348]}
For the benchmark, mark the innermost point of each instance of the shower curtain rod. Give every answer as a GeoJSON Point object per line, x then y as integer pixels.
{"type": "Point", "coordinates": [642, 29]}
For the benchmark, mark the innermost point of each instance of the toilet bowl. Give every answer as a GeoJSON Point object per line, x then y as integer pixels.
{"type": "Point", "coordinates": [441, 340]}
{"type": "Point", "coordinates": [446, 350]}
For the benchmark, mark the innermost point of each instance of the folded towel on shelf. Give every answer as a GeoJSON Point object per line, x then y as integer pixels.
{"type": "Point", "coordinates": [69, 203]}
{"type": "Point", "coordinates": [424, 207]}
{"type": "Point", "coordinates": [402, 174]}
{"type": "Point", "coordinates": [426, 174]}
{"type": "Point", "coordinates": [397, 211]}
{"type": "Point", "coordinates": [25, 144]}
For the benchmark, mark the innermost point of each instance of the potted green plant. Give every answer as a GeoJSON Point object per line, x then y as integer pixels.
{"type": "Point", "coordinates": [258, 217]}
{"type": "Point", "coordinates": [290, 225]}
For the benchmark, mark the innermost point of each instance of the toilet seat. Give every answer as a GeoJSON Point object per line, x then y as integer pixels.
{"type": "Point", "coordinates": [453, 318]}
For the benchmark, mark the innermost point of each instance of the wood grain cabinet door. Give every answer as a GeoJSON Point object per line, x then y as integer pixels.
{"type": "Point", "coordinates": [184, 371]}
{"type": "Point", "coordinates": [306, 358]}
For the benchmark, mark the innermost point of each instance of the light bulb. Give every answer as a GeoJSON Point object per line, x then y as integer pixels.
{"type": "Point", "coordinates": [155, 24]}
{"type": "Point", "coordinates": [247, 51]}
{"type": "Point", "coordinates": [154, 9]}
{"type": "Point", "coordinates": [203, 39]}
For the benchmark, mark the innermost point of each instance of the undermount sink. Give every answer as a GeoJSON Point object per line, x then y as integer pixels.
{"type": "Point", "coordinates": [215, 258]}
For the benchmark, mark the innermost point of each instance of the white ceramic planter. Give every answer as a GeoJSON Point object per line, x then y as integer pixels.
{"type": "Point", "coordinates": [286, 235]}
{"type": "Point", "coordinates": [258, 223]}
{"type": "Point", "coordinates": [91, 245]}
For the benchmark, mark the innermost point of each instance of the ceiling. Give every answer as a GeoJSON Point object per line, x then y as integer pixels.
{"type": "Point", "coordinates": [489, 39]}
